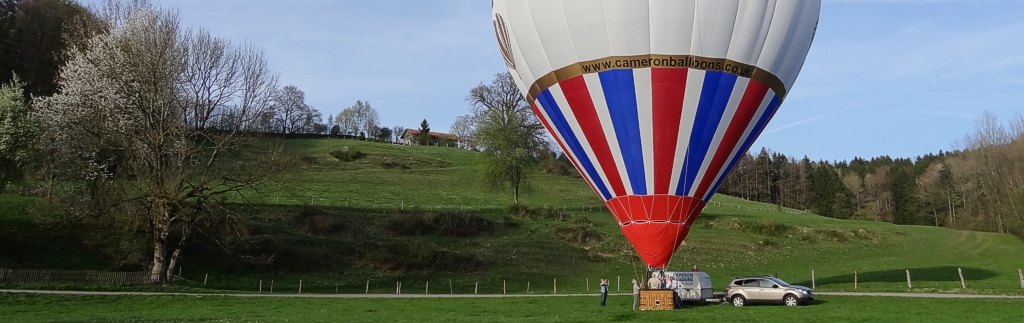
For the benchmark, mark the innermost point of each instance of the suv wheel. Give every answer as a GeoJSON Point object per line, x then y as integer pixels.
{"type": "Point", "coordinates": [790, 300]}
{"type": "Point", "coordinates": [739, 301]}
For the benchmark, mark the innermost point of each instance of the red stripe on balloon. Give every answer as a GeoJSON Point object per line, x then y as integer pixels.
{"type": "Point", "coordinates": [753, 96]}
{"type": "Point", "coordinates": [668, 91]}
{"type": "Point", "coordinates": [582, 105]}
{"type": "Point", "coordinates": [547, 124]}
{"type": "Point", "coordinates": [656, 240]}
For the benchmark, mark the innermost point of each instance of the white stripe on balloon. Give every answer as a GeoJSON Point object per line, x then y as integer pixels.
{"type": "Point", "coordinates": [577, 130]}
{"type": "Point", "coordinates": [604, 116]}
{"type": "Point", "coordinates": [730, 110]}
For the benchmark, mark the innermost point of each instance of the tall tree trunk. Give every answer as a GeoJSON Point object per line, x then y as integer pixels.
{"type": "Point", "coordinates": [186, 233]}
{"type": "Point", "coordinates": [173, 263]}
{"type": "Point", "coordinates": [160, 226]}
{"type": "Point", "coordinates": [952, 210]}
{"type": "Point", "coordinates": [3, 177]}
{"type": "Point", "coordinates": [160, 258]}
{"type": "Point", "coordinates": [515, 189]}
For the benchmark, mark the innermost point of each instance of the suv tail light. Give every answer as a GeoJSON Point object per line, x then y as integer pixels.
{"type": "Point", "coordinates": [727, 290]}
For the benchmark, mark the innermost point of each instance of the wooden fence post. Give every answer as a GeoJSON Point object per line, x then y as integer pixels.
{"type": "Point", "coordinates": [909, 285]}
{"type": "Point", "coordinates": [300, 286]}
{"type": "Point", "coordinates": [367, 287]}
{"type": "Point", "coordinates": [854, 279]}
{"type": "Point", "coordinates": [428, 288]}
{"type": "Point", "coordinates": [204, 279]}
{"type": "Point", "coordinates": [476, 288]}
{"type": "Point", "coordinates": [271, 286]}
{"type": "Point", "coordinates": [813, 285]}
{"type": "Point", "coordinates": [527, 286]}
{"type": "Point", "coordinates": [588, 284]}
{"type": "Point", "coordinates": [450, 289]}
{"type": "Point", "coordinates": [261, 286]}
{"type": "Point", "coordinates": [504, 286]}
{"type": "Point", "coordinates": [1021, 275]}
{"type": "Point", "coordinates": [963, 284]}
{"type": "Point", "coordinates": [618, 284]}
{"type": "Point", "coordinates": [396, 288]}
{"type": "Point", "coordinates": [556, 286]}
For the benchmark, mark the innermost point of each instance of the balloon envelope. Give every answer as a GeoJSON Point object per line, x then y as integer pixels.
{"type": "Point", "coordinates": [654, 101]}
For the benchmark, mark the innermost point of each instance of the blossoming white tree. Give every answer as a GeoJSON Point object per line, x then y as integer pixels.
{"type": "Point", "coordinates": [158, 120]}
{"type": "Point", "coordinates": [17, 130]}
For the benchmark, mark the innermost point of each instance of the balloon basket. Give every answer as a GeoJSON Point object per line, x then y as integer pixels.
{"type": "Point", "coordinates": [656, 300]}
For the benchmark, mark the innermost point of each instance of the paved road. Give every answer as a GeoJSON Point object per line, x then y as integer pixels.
{"type": "Point", "coordinates": [54, 292]}
{"type": "Point", "coordinates": [918, 295]}
{"type": "Point", "coordinates": [58, 292]}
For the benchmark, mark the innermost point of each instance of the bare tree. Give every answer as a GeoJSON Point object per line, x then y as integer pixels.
{"type": "Point", "coordinates": [348, 122]}
{"type": "Point", "coordinates": [398, 131]}
{"type": "Point", "coordinates": [290, 109]}
{"type": "Point", "coordinates": [134, 117]}
{"type": "Point", "coordinates": [359, 118]}
{"type": "Point", "coordinates": [369, 120]}
{"type": "Point", "coordinates": [463, 129]}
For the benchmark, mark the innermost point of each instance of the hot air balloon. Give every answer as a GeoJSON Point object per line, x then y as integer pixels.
{"type": "Point", "coordinates": [654, 101]}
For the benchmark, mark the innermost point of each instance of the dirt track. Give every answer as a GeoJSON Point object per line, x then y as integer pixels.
{"type": "Point", "coordinates": [53, 292]}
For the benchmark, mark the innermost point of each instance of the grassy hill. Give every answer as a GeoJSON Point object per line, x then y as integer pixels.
{"type": "Point", "coordinates": [418, 214]}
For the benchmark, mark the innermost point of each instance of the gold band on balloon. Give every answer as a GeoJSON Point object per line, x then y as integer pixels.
{"type": "Point", "coordinates": [658, 61]}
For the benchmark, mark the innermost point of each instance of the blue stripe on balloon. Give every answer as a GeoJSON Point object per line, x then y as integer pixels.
{"type": "Point", "coordinates": [620, 94]}
{"type": "Point", "coordinates": [758, 128]}
{"type": "Point", "coordinates": [714, 97]}
{"type": "Point", "coordinates": [547, 102]}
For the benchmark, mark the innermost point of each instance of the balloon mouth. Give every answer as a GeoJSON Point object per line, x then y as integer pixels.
{"type": "Point", "coordinates": [655, 224]}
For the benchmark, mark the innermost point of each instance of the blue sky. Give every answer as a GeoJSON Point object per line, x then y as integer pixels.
{"type": "Point", "coordinates": [884, 77]}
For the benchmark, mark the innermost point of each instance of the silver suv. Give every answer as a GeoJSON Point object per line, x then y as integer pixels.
{"type": "Point", "coordinates": [766, 289]}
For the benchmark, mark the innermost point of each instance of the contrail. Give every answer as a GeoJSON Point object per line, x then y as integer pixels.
{"type": "Point", "coordinates": [805, 121]}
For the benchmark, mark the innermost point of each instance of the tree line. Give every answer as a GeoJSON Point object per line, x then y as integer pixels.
{"type": "Point", "coordinates": [978, 186]}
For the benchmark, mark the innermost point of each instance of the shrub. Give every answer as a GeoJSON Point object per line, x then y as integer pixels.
{"type": "Point", "coordinates": [392, 163]}
{"type": "Point", "coordinates": [347, 155]}
{"type": "Point", "coordinates": [770, 228]}
{"type": "Point", "coordinates": [510, 221]}
{"type": "Point", "coordinates": [520, 211]}
{"type": "Point", "coordinates": [314, 221]}
{"type": "Point", "coordinates": [449, 223]}
{"type": "Point", "coordinates": [407, 224]}
{"type": "Point", "coordinates": [554, 167]}
{"type": "Point", "coordinates": [580, 234]}
{"type": "Point", "coordinates": [309, 161]}
{"type": "Point", "coordinates": [461, 224]}
{"type": "Point", "coordinates": [418, 256]}
{"type": "Point", "coordinates": [836, 235]}
{"type": "Point", "coordinates": [555, 214]}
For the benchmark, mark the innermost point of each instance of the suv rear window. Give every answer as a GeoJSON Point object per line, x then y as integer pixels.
{"type": "Point", "coordinates": [750, 283]}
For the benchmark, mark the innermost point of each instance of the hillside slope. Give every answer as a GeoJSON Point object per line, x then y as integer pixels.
{"type": "Point", "coordinates": [415, 214]}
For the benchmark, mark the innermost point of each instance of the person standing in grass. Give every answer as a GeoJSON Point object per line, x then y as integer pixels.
{"type": "Point", "coordinates": [636, 294]}
{"type": "Point", "coordinates": [604, 291]}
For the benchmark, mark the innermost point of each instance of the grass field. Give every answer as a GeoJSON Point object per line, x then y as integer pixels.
{"type": "Point", "coordinates": [361, 199]}
{"type": "Point", "coordinates": [35, 308]}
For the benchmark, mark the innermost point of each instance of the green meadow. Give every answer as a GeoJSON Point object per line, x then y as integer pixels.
{"type": "Point", "coordinates": [35, 308]}
{"type": "Point", "coordinates": [371, 225]}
